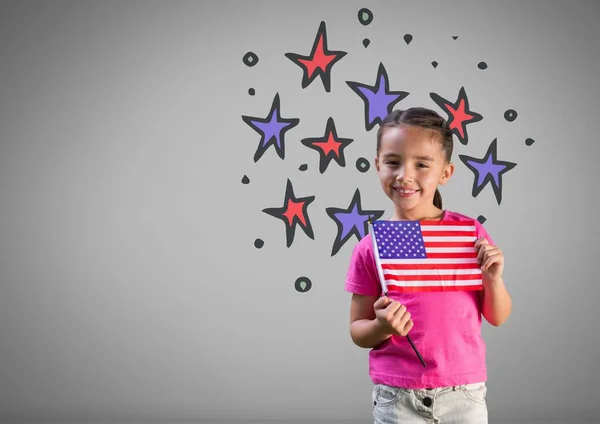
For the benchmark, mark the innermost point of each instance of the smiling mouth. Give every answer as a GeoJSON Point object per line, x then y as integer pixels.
{"type": "Point", "coordinates": [405, 192]}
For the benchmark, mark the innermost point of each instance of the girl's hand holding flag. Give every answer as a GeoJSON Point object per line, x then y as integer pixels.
{"type": "Point", "coordinates": [491, 260]}
{"type": "Point", "coordinates": [392, 316]}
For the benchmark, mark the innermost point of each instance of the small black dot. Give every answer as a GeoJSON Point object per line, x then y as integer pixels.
{"type": "Point", "coordinates": [303, 284]}
{"type": "Point", "coordinates": [481, 219]}
{"type": "Point", "coordinates": [529, 141]}
{"type": "Point", "coordinates": [366, 42]}
{"type": "Point", "coordinates": [303, 167]}
{"type": "Point", "coordinates": [258, 243]}
{"type": "Point", "coordinates": [510, 115]}
{"type": "Point", "coordinates": [251, 91]}
{"type": "Point", "coordinates": [250, 59]}
{"type": "Point", "coordinates": [455, 37]}
{"type": "Point", "coordinates": [482, 65]}
{"type": "Point", "coordinates": [434, 64]}
{"type": "Point", "coordinates": [408, 38]}
{"type": "Point", "coordinates": [245, 180]}
{"type": "Point", "coordinates": [362, 164]}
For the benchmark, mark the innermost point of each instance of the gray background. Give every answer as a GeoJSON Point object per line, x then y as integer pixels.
{"type": "Point", "coordinates": [130, 288]}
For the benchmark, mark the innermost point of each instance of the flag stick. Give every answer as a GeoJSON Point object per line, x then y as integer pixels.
{"type": "Point", "coordinates": [384, 287]}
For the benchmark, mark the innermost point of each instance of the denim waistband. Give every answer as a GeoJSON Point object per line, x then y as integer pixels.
{"type": "Point", "coordinates": [469, 386]}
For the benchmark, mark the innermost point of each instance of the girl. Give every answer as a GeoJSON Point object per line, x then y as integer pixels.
{"type": "Point", "coordinates": [414, 148]}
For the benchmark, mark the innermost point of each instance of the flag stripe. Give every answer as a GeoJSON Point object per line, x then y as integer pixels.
{"type": "Point", "coordinates": [449, 244]}
{"type": "Point", "coordinates": [400, 272]}
{"type": "Point", "coordinates": [433, 277]}
{"type": "Point", "coordinates": [470, 239]}
{"type": "Point", "coordinates": [472, 282]}
{"type": "Point", "coordinates": [451, 255]}
{"type": "Point", "coordinates": [426, 223]}
{"type": "Point", "coordinates": [450, 249]}
{"type": "Point", "coordinates": [440, 229]}
{"type": "Point", "coordinates": [414, 289]}
{"type": "Point", "coordinates": [428, 265]}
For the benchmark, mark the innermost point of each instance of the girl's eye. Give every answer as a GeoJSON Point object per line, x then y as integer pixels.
{"type": "Point", "coordinates": [422, 165]}
{"type": "Point", "coordinates": [392, 163]}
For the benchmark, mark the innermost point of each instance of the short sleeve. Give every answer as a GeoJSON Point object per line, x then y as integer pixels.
{"type": "Point", "coordinates": [362, 277]}
{"type": "Point", "coordinates": [480, 231]}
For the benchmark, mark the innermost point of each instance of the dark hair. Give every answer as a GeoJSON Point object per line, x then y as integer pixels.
{"type": "Point", "coordinates": [422, 118]}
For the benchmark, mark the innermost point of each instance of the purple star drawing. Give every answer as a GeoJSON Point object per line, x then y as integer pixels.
{"type": "Point", "coordinates": [488, 170]}
{"type": "Point", "coordinates": [351, 221]}
{"type": "Point", "coordinates": [379, 100]}
{"type": "Point", "coordinates": [272, 129]}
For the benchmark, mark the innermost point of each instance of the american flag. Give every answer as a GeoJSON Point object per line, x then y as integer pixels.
{"type": "Point", "coordinates": [427, 255]}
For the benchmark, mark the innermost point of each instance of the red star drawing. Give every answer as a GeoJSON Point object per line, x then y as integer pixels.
{"type": "Point", "coordinates": [459, 114]}
{"type": "Point", "coordinates": [292, 213]}
{"type": "Point", "coordinates": [320, 61]}
{"type": "Point", "coordinates": [330, 146]}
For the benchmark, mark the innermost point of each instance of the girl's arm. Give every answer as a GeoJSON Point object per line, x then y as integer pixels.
{"type": "Point", "coordinates": [364, 328]}
{"type": "Point", "coordinates": [496, 302]}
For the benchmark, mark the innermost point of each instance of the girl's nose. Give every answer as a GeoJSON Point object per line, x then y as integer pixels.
{"type": "Point", "coordinates": [404, 175]}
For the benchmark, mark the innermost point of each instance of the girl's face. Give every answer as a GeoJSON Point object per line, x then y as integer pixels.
{"type": "Point", "coordinates": [410, 165]}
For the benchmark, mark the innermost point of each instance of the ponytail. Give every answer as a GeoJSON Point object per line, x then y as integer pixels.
{"type": "Point", "coordinates": [437, 199]}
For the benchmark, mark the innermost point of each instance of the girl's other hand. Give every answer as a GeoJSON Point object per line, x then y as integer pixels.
{"type": "Point", "coordinates": [491, 260]}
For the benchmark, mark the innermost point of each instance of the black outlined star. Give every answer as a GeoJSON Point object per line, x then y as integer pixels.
{"type": "Point", "coordinates": [320, 61]}
{"type": "Point", "coordinates": [330, 146]}
{"type": "Point", "coordinates": [272, 129]}
{"type": "Point", "coordinates": [487, 170]}
{"type": "Point", "coordinates": [353, 221]}
{"type": "Point", "coordinates": [292, 213]}
{"type": "Point", "coordinates": [458, 113]}
{"type": "Point", "coordinates": [379, 100]}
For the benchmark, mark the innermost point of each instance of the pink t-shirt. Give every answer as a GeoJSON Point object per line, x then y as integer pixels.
{"type": "Point", "coordinates": [447, 330]}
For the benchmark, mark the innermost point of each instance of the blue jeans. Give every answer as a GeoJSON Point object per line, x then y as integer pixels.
{"type": "Point", "coordinates": [464, 404]}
